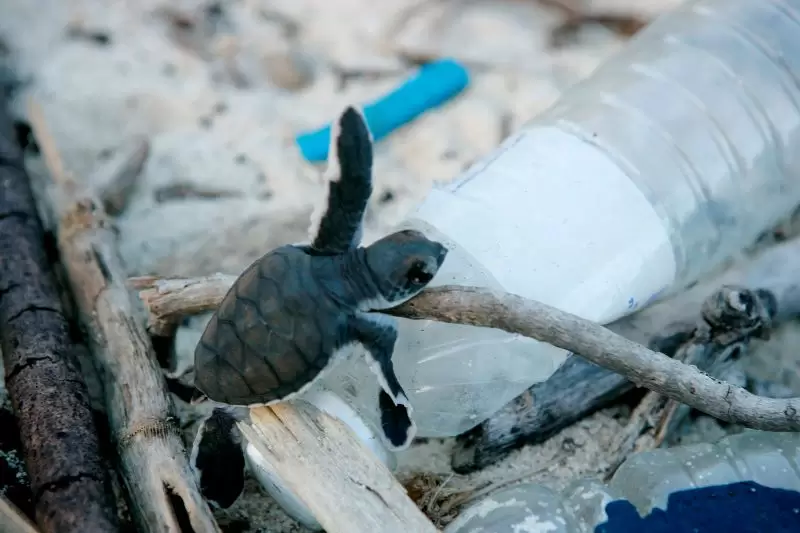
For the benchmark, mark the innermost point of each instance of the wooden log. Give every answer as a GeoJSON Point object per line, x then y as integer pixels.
{"type": "Point", "coordinates": [43, 377]}
{"type": "Point", "coordinates": [341, 482]}
{"type": "Point", "coordinates": [12, 520]}
{"type": "Point", "coordinates": [164, 496]}
{"type": "Point", "coordinates": [579, 388]}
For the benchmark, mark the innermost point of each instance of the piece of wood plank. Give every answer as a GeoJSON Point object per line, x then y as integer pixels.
{"type": "Point", "coordinates": [43, 377]}
{"type": "Point", "coordinates": [12, 520]}
{"type": "Point", "coordinates": [164, 496]}
{"type": "Point", "coordinates": [341, 482]}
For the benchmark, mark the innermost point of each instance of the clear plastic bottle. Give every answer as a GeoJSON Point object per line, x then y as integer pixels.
{"type": "Point", "coordinates": [674, 154]}
{"type": "Point", "coordinates": [646, 480]}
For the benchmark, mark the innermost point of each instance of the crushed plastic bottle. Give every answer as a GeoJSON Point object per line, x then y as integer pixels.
{"type": "Point", "coordinates": [673, 155]}
{"type": "Point", "coordinates": [648, 481]}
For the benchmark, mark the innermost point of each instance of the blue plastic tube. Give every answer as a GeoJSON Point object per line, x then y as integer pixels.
{"type": "Point", "coordinates": [434, 84]}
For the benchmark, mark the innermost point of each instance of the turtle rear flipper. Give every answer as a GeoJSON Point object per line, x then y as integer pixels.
{"type": "Point", "coordinates": [396, 423]}
{"type": "Point", "coordinates": [349, 178]}
{"type": "Point", "coordinates": [218, 458]}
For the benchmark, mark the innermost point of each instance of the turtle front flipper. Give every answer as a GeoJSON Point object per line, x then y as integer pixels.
{"type": "Point", "coordinates": [337, 225]}
{"type": "Point", "coordinates": [378, 334]}
{"type": "Point", "coordinates": [218, 458]}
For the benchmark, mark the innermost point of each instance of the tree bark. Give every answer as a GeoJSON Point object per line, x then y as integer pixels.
{"type": "Point", "coordinates": [43, 378]}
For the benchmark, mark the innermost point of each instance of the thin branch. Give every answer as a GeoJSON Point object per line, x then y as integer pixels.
{"type": "Point", "coordinates": [168, 300]}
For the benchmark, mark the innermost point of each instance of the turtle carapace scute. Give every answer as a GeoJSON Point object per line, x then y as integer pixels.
{"type": "Point", "coordinates": [298, 309]}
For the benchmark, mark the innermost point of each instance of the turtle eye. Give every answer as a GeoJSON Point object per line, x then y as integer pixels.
{"type": "Point", "coordinates": [418, 273]}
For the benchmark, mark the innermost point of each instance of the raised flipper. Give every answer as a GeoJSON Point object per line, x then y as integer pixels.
{"type": "Point", "coordinates": [218, 458]}
{"type": "Point", "coordinates": [337, 224]}
{"type": "Point", "coordinates": [378, 334]}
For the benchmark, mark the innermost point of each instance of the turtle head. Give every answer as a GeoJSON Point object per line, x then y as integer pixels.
{"type": "Point", "coordinates": [401, 265]}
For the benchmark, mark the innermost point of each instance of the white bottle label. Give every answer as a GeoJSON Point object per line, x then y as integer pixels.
{"type": "Point", "coordinates": [553, 218]}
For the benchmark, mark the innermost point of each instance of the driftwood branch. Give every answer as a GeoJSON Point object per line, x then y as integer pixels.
{"type": "Point", "coordinates": [43, 376]}
{"type": "Point", "coordinates": [514, 314]}
{"type": "Point", "coordinates": [580, 387]}
{"type": "Point", "coordinates": [153, 461]}
{"type": "Point", "coordinates": [339, 480]}
{"type": "Point", "coordinates": [655, 415]}
{"type": "Point", "coordinates": [12, 520]}
{"type": "Point", "coordinates": [642, 366]}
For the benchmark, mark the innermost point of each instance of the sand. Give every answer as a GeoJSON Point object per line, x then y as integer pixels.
{"type": "Point", "coordinates": [221, 102]}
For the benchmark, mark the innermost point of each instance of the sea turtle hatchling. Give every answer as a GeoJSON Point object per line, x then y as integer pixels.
{"type": "Point", "coordinates": [299, 309]}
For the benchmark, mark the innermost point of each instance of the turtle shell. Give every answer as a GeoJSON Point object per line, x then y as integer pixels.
{"type": "Point", "coordinates": [273, 333]}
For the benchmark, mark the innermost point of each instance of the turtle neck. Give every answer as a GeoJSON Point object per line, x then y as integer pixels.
{"type": "Point", "coordinates": [348, 279]}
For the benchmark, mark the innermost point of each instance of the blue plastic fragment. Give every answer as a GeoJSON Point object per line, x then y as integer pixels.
{"type": "Point", "coordinates": [433, 84]}
{"type": "Point", "coordinates": [743, 507]}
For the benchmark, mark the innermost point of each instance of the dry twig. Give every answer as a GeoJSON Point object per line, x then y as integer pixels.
{"type": "Point", "coordinates": [168, 301]}
{"type": "Point", "coordinates": [163, 492]}
{"type": "Point", "coordinates": [730, 318]}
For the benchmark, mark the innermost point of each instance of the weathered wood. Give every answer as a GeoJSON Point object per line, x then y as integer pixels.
{"type": "Point", "coordinates": [163, 493]}
{"type": "Point", "coordinates": [12, 520]}
{"type": "Point", "coordinates": [715, 354]}
{"type": "Point", "coordinates": [341, 482]}
{"type": "Point", "coordinates": [646, 368]}
{"type": "Point", "coordinates": [43, 377]}
{"type": "Point", "coordinates": [580, 387]}
{"type": "Point", "coordinates": [168, 300]}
